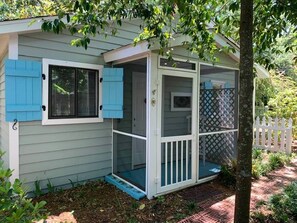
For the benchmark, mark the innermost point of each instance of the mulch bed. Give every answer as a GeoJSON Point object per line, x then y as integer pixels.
{"type": "Point", "coordinates": [209, 202]}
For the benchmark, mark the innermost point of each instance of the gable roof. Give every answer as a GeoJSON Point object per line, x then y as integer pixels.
{"type": "Point", "coordinates": [34, 25]}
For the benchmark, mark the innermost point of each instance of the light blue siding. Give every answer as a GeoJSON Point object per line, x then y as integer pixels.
{"type": "Point", "coordinates": [112, 93]}
{"type": "Point", "coordinates": [77, 152]}
{"type": "Point", "coordinates": [23, 94]}
{"type": "Point", "coordinates": [175, 122]}
{"type": "Point", "coordinates": [62, 152]}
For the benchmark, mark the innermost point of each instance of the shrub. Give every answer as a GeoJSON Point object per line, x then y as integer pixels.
{"type": "Point", "coordinates": [284, 205]}
{"type": "Point", "coordinates": [283, 102]}
{"type": "Point", "coordinates": [277, 160]}
{"type": "Point", "coordinates": [259, 169]}
{"type": "Point", "coordinates": [257, 154]}
{"type": "Point", "coordinates": [14, 205]}
{"type": "Point", "coordinates": [263, 162]}
{"type": "Point", "coordinates": [228, 174]}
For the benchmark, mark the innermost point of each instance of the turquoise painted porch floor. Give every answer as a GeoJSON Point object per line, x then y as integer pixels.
{"type": "Point", "coordinates": [137, 176]}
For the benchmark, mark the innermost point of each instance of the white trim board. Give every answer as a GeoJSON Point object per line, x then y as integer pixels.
{"type": "Point", "coordinates": [131, 50]}
{"type": "Point", "coordinates": [13, 133]}
{"type": "Point", "coordinates": [24, 25]}
{"type": "Point", "coordinates": [45, 93]}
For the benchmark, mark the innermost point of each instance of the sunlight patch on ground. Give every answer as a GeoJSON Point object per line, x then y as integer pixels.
{"type": "Point", "coordinates": [63, 217]}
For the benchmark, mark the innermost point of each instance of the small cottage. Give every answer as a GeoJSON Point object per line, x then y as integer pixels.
{"type": "Point", "coordinates": [147, 124]}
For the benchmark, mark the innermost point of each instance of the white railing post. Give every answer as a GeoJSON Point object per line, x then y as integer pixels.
{"type": "Point", "coordinates": [269, 132]}
{"type": "Point", "coordinates": [282, 138]}
{"type": "Point", "coordinates": [289, 137]}
{"type": "Point", "coordinates": [275, 143]}
{"type": "Point", "coordinates": [257, 131]}
{"type": "Point", "coordinates": [263, 133]}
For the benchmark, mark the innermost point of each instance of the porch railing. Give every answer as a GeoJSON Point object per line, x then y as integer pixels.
{"type": "Point", "coordinates": [177, 159]}
{"type": "Point", "coordinates": [273, 134]}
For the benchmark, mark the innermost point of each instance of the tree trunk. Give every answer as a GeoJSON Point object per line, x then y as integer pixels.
{"type": "Point", "coordinates": [245, 139]}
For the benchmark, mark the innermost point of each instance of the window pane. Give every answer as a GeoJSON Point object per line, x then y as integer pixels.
{"type": "Point", "coordinates": [62, 88]}
{"type": "Point", "coordinates": [87, 93]}
{"type": "Point", "coordinates": [177, 64]}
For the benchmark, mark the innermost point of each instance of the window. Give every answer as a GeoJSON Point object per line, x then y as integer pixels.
{"type": "Point", "coordinates": [181, 101]}
{"type": "Point", "coordinates": [177, 64]}
{"type": "Point", "coordinates": [71, 92]}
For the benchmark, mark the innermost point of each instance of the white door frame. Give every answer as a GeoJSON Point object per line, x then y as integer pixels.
{"type": "Point", "coordinates": [193, 135]}
{"type": "Point", "coordinates": [147, 191]}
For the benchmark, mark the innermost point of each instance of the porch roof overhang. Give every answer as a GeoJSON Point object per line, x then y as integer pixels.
{"type": "Point", "coordinates": [129, 51]}
{"type": "Point", "coordinates": [24, 25]}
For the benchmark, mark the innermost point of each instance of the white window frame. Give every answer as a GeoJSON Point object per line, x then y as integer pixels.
{"type": "Point", "coordinates": [45, 92]}
{"type": "Point", "coordinates": [175, 68]}
{"type": "Point", "coordinates": [180, 94]}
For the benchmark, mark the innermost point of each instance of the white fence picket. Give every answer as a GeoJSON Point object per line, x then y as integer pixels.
{"type": "Point", "coordinates": [282, 139]}
{"type": "Point", "coordinates": [289, 137]}
{"type": "Point", "coordinates": [257, 131]}
{"type": "Point", "coordinates": [263, 132]}
{"type": "Point", "coordinates": [269, 132]}
{"type": "Point", "coordinates": [282, 134]}
{"type": "Point", "coordinates": [275, 144]}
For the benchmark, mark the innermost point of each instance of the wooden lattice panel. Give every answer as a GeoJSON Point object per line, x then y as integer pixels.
{"type": "Point", "coordinates": [217, 113]}
{"type": "Point", "coordinates": [219, 148]}
{"type": "Point", "coordinates": [217, 109]}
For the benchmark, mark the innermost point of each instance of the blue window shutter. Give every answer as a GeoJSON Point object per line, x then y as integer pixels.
{"type": "Point", "coordinates": [227, 85]}
{"type": "Point", "coordinates": [113, 94]}
{"type": "Point", "coordinates": [23, 90]}
{"type": "Point", "coordinates": [207, 85]}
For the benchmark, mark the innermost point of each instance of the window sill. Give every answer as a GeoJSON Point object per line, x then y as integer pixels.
{"type": "Point", "coordinates": [71, 121]}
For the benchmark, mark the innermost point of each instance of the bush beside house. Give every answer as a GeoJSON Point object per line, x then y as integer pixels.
{"type": "Point", "coordinates": [14, 204]}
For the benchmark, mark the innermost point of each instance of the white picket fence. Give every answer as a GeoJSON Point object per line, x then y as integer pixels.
{"type": "Point", "coordinates": [273, 134]}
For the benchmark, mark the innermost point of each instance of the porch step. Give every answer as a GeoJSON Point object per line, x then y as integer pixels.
{"type": "Point", "coordinates": [133, 192]}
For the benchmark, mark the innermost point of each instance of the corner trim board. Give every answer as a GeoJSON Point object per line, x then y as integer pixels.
{"type": "Point", "coordinates": [13, 133]}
